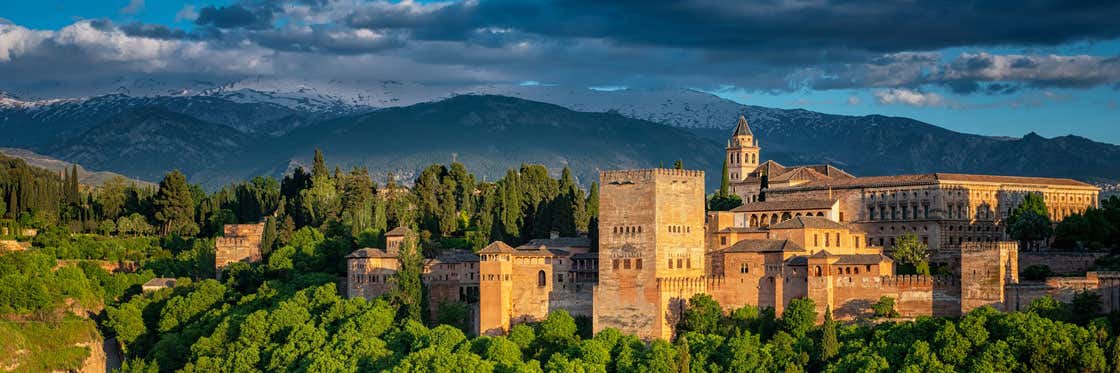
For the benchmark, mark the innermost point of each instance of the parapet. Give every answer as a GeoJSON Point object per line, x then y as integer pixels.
{"type": "Point", "coordinates": [974, 247]}
{"type": "Point", "coordinates": [918, 280]}
{"type": "Point", "coordinates": [622, 176]}
{"type": "Point", "coordinates": [681, 283]}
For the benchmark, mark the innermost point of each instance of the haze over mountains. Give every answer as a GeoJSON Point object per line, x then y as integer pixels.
{"type": "Point", "coordinates": [217, 134]}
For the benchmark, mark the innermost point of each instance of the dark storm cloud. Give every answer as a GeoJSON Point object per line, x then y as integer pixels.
{"type": "Point", "coordinates": [234, 16]}
{"type": "Point", "coordinates": [153, 31]}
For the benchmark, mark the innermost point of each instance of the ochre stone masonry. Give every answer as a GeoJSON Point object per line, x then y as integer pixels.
{"type": "Point", "coordinates": [239, 243]}
{"type": "Point", "coordinates": [812, 232]}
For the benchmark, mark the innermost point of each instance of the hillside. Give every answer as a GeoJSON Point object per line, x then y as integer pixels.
{"type": "Point", "coordinates": [147, 142]}
{"type": "Point", "coordinates": [277, 129]}
{"type": "Point", "coordinates": [493, 133]}
{"type": "Point", "coordinates": [85, 177]}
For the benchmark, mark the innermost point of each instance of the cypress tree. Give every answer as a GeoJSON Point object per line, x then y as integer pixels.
{"type": "Point", "coordinates": [409, 289]}
{"type": "Point", "coordinates": [319, 167]}
{"type": "Point", "coordinates": [684, 355]}
{"type": "Point", "coordinates": [725, 181]}
{"type": "Point", "coordinates": [830, 347]}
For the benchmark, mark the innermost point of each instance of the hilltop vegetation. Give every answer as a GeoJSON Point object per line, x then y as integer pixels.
{"type": "Point", "coordinates": [286, 312]}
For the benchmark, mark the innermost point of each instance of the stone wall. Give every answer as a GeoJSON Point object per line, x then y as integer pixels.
{"type": "Point", "coordinates": [240, 243]}
{"type": "Point", "coordinates": [1065, 262]}
{"type": "Point", "coordinates": [1106, 284]}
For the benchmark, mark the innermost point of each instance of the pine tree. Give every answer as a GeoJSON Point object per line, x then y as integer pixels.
{"type": "Point", "coordinates": [174, 205]}
{"type": "Point", "coordinates": [830, 347]}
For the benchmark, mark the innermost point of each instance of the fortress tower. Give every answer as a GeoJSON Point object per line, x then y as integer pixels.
{"type": "Point", "coordinates": [742, 151]}
{"type": "Point", "coordinates": [651, 249]}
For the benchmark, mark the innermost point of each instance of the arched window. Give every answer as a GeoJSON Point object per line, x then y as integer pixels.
{"type": "Point", "coordinates": [541, 278]}
{"type": "Point", "coordinates": [818, 271]}
{"type": "Point", "coordinates": [786, 216]}
{"type": "Point", "coordinates": [821, 214]}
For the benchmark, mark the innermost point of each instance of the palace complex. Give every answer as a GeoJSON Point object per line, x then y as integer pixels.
{"type": "Point", "coordinates": [813, 232]}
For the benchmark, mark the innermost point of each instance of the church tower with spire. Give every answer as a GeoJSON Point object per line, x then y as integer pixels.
{"type": "Point", "coordinates": [742, 151]}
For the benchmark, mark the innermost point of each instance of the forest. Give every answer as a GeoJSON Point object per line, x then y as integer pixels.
{"type": "Point", "coordinates": [286, 313]}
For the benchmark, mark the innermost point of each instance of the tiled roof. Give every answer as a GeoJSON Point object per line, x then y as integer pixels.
{"type": "Point", "coordinates": [397, 232]}
{"type": "Point", "coordinates": [539, 250]}
{"type": "Point", "coordinates": [763, 246]}
{"type": "Point", "coordinates": [808, 204]}
{"type": "Point", "coordinates": [741, 128]}
{"type": "Point", "coordinates": [586, 256]}
{"type": "Point", "coordinates": [811, 222]}
{"type": "Point", "coordinates": [160, 281]}
{"type": "Point", "coordinates": [863, 259]}
{"type": "Point", "coordinates": [799, 260]}
{"type": "Point", "coordinates": [929, 179]}
{"type": "Point", "coordinates": [496, 247]}
{"type": "Point", "coordinates": [454, 256]}
{"type": "Point", "coordinates": [370, 252]}
{"type": "Point", "coordinates": [562, 242]}
{"type": "Point", "coordinates": [741, 230]}
{"type": "Point", "coordinates": [799, 173]}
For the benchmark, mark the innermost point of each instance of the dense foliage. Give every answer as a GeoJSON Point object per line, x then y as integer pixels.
{"type": "Point", "coordinates": [286, 312]}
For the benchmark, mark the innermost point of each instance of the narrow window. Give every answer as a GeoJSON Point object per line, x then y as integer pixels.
{"type": "Point", "coordinates": [688, 263]}
{"type": "Point", "coordinates": [541, 278]}
{"type": "Point", "coordinates": [614, 264]}
{"type": "Point", "coordinates": [723, 240]}
{"type": "Point", "coordinates": [626, 264]}
{"type": "Point", "coordinates": [637, 264]}
{"type": "Point", "coordinates": [838, 239]}
{"type": "Point", "coordinates": [670, 263]}
{"type": "Point", "coordinates": [816, 241]}
{"type": "Point", "coordinates": [826, 239]}
{"type": "Point", "coordinates": [679, 263]}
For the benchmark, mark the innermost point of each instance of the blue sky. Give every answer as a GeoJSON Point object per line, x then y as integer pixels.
{"type": "Point", "coordinates": [990, 67]}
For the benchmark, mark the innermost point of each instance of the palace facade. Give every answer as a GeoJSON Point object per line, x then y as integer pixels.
{"type": "Point", "coordinates": [813, 232]}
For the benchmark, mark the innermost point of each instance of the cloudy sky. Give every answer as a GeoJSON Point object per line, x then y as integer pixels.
{"type": "Point", "coordinates": [992, 67]}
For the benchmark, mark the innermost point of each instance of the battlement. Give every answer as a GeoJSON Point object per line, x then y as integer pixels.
{"type": "Point", "coordinates": [918, 280]}
{"type": "Point", "coordinates": [646, 174]}
{"type": "Point", "coordinates": [973, 247]}
{"type": "Point", "coordinates": [682, 283]}
{"type": "Point", "coordinates": [231, 241]}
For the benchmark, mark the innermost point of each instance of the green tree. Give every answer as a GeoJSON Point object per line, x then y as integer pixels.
{"type": "Point", "coordinates": [702, 315]}
{"type": "Point", "coordinates": [830, 346]}
{"type": "Point", "coordinates": [684, 355]}
{"type": "Point", "coordinates": [1029, 222]}
{"type": "Point", "coordinates": [110, 197]}
{"type": "Point", "coordinates": [174, 206]}
{"type": "Point", "coordinates": [884, 307]}
{"type": "Point", "coordinates": [678, 164]}
{"type": "Point", "coordinates": [409, 288]}
{"type": "Point", "coordinates": [912, 253]}
{"type": "Point", "coordinates": [799, 317]}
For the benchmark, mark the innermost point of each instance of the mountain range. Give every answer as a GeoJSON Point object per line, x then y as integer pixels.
{"type": "Point", "coordinates": [235, 131]}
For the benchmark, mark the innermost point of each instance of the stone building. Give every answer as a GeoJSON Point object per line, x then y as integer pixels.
{"type": "Point", "coordinates": [525, 283]}
{"type": "Point", "coordinates": [943, 209]}
{"type": "Point", "coordinates": [651, 249]}
{"type": "Point", "coordinates": [239, 243]}
{"type": "Point", "coordinates": [369, 271]}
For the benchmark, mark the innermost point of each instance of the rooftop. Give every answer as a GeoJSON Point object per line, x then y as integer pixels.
{"type": "Point", "coordinates": [809, 204]}
{"type": "Point", "coordinates": [763, 246]}
{"type": "Point", "coordinates": [811, 222]}
{"type": "Point", "coordinates": [930, 179]}
{"type": "Point", "coordinates": [370, 252]}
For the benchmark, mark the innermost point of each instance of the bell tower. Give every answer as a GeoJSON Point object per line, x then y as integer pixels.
{"type": "Point", "coordinates": [742, 151]}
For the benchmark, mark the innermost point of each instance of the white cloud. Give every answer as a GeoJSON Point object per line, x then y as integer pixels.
{"type": "Point", "coordinates": [908, 97]}
{"type": "Point", "coordinates": [188, 14]}
{"type": "Point", "coordinates": [853, 100]}
{"type": "Point", "coordinates": [16, 40]}
{"type": "Point", "coordinates": [133, 7]}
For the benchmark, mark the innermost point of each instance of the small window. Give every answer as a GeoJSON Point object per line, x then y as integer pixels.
{"type": "Point", "coordinates": [626, 264]}
{"type": "Point", "coordinates": [542, 279]}
{"type": "Point", "coordinates": [614, 263]}
{"type": "Point", "coordinates": [723, 240]}
{"type": "Point", "coordinates": [816, 241]}
{"type": "Point", "coordinates": [688, 263]}
{"type": "Point", "coordinates": [637, 264]}
{"type": "Point", "coordinates": [679, 263]}
{"type": "Point", "coordinates": [826, 240]}
{"type": "Point", "coordinates": [670, 263]}
{"type": "Point", "coordinates": [744, 268]}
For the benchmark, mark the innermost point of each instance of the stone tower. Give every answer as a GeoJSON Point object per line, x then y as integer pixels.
{"type": "Point", "coordinates": [651, 249]}
{"type": "Point", "coordinates": [495, 285]}
{"type": "Point", "coordinates": [742, 151]}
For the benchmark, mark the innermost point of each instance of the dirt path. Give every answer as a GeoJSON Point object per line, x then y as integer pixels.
{"type": "Point", "coordinates": [113, 355]}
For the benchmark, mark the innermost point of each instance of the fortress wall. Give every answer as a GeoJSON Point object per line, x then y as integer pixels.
{"type": "Point", "coordinates": [914, 295]}
{"type": "Point", "coordinates": [1074, 263]}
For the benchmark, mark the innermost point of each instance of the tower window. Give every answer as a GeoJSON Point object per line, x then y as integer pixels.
{"type": "Point", "coordinates": [541, 278]}
{"type": "Point", "coordinates": [626, 264]}
{"type": "Point", "coordinates": [638, 263]}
